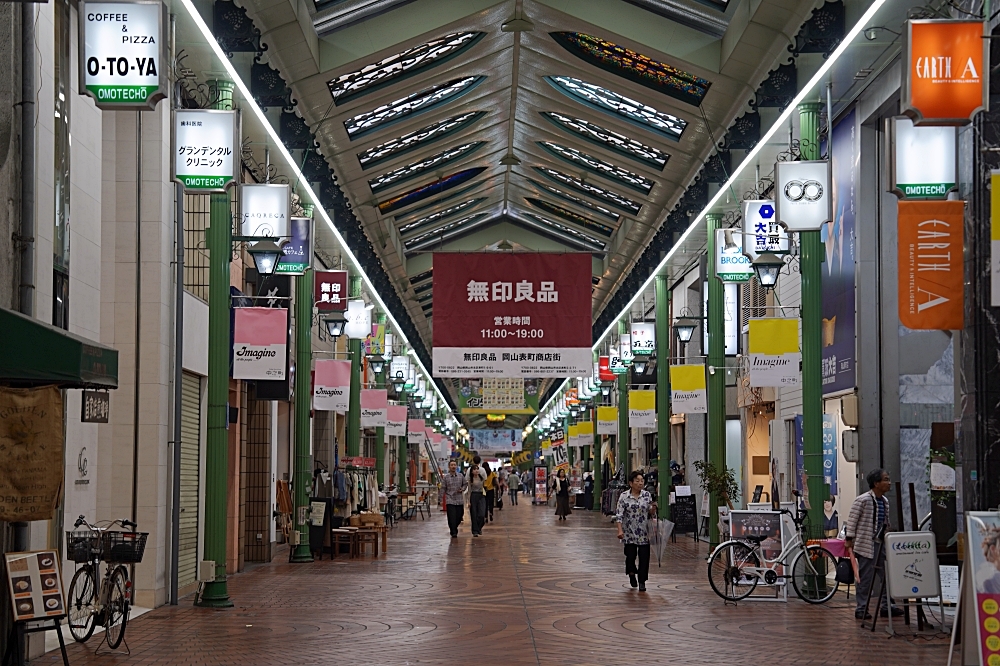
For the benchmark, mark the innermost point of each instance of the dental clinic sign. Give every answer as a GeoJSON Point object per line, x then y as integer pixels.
{"type": "Point", "coordinates": [946, 76]}
{"type": "Point", "coordinates": [122, 53]}
{"type": "Point", "coordinates": [205, 147]}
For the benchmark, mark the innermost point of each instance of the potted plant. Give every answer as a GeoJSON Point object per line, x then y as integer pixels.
{"type": "Point", "coordinates": [717, 482]}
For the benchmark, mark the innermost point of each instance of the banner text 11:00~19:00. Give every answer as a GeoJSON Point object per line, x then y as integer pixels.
{"type": "Point", "coordinates": [502, 334]}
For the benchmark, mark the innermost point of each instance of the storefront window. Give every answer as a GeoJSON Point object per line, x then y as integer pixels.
{"type": "Point", "coordinates": [61, 183]}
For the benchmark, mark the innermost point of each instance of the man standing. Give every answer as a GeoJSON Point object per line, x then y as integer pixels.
{"type": "Point", "coordinates": [513, 485]}
{"type": "Point", "coordinates": [867, 523]}
{"type": "Point", "coordinates": [454, 487]}
{"type": "Point", "coordinates": [477, 496]}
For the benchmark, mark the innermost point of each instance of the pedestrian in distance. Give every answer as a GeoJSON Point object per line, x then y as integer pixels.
{"type": "Point", "coordinates": [866, 525]}
{"type": "Point", "coordinates": [454, 485]}
{"type": "Point", "coordinates": [634, 508]}
{"type": "Point", "coordinates": [513, 486]}
{"type": "Point", "coordinates": [477, 496]}
{"type": "Point", "coordinates": [562, 495]}
{"type": "Point", "coordinates": [490, 484]}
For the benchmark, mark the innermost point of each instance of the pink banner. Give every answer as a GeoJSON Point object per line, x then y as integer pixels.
{"type": "Point", "coordinates": [415, 428]}
{"type": "Point", "coordinates": [260, 343]}
{"type": "Point", "coordinates": [332, 386]}
{"type": "Point", "coordinates": [374, 408]}
{"type": "Point", "coordinates": [396, 421]}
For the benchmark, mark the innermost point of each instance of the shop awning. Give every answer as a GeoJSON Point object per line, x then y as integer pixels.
{"type": "Point", "coordinates": [33, 353]}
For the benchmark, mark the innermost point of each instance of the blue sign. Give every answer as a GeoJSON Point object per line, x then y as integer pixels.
{"type": "Point", "coordinates": [830, 453]}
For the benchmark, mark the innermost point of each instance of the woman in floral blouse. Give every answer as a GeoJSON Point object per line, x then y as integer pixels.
{"type": "Point", "coordinates": [633, 509]}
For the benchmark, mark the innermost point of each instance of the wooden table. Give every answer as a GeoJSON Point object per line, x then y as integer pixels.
{"type": "Point", "coordinates": [381, 529]}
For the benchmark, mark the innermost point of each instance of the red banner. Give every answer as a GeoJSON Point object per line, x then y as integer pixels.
{"type": "Point", "coordinates": [931, 272]}
{"type": "Point", "coordinates": [331, 291]}
{"type": "Point", "coordinates": [512, 315]}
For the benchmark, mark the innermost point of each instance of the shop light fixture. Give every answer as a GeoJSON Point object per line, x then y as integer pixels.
{"type": "Point", "coordinates": [335, 324]}
{"type": "Point", "coordinates": [639, 364]}
{"type": "Point", "coordinates": [266, 254]}
{"type": "Point", "coordinates": [684, 328]}
{"type": "Point", "coordinates": [377, 363]}
{"type": "Point", "coordinates": [766, 267]}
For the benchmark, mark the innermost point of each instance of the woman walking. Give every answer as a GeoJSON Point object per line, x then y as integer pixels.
{"type": "Point", "coordinates": [634, 507]}
{"type": "Point", "coordinates": [491, 490]}
{"type": "Point", "coordinates": [562, 495]}
{"type": "Point", "coordinates": [477, 499]}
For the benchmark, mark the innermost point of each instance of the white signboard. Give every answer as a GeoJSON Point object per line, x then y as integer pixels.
{"type": "Point", "coordinates": [625, 349]}
{"type": "Point", "coordinates": [731, 265]}
{"type": "Point", "coordinates": [643, 338]}
{"type": "Point", "coordinates": [559, 455]}
{"type": "Point", "coordinates": [260, 343]}
{"type": "Point", "coordinates": [924, 160]}
{"type": "Point", "coordinates": [359, 320]}
{"type": "Point", "coordinates": [332, 386]}
{"type": "Point", "coordinates": [122, 46]}
{"type": "Point", "coordinates": [912, 565]}
{"type": "Point", "coordinates": [730, 315]}
{"type": "Point", "coordinates": [761, 231]}
{"type": "Point", "coordinates": [265, 210]}
{"type": "Point", "coordinates": [774, 369]}
{"type": "Point", "coordinates": [802, 194]}
{"type": "Point", "coordinates": [398, 369]}
{"type": "Point", "coordinates": [206, 149]}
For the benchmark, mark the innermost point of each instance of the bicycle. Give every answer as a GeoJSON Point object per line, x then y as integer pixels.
{"type": "Point", "coordinates": [735, 567]}
{"type": "Point", "coordinates": [110, 606]}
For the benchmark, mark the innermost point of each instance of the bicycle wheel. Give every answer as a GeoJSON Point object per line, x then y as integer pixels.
{"type": "Point", "coordinates": [814, 572]}
{"type": "Point", "coordinates": [80, 602]}
{"type": "Point", "coordinates": [116, 616]}
{"type": "Point", "coordinates": [727, 570]}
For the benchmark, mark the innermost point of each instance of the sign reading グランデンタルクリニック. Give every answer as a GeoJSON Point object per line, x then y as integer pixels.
{"type": "Point", "coordinates": [122, 54]}
{"type": "Point", "coordinates": [205, 149]}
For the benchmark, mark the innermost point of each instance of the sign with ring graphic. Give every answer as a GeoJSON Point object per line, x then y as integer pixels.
{"type": "Point", "coordinates": [803, 194]}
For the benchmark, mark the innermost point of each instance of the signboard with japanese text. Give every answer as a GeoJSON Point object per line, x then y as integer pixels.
{"type": "Point", "coordinates": [643, 338]}
{"type": "Point", "coordinates": [642, 409]}
{"type": "Point", "coordinates": [332, 386]}
{"type": "Point", "coordinates": [731, 265]}
{"type": "Point", "coordinates": [688, 390]}
{"type": "Point", "coordinates": [625, 353]}
{"type": "Point", "coordinates": [495, 441]}
{"type": "Point", "coordinates": [830, 453]}
{"type": "Point", "coordinates": [774, 355]}
{"type": "Point", "coordinates": [607, 420]}
{"type": "Point", "coordinates": [260, 343]}
{"type": "Point", "coordinates": [802, 194]}
{"type": "Point", "coordinates": [761, 231]}
{"type": "Point", "coordinates": [399, 368]}
{"type": "Point", "coordinates": [297, 253]}
{"type": "Point", "coordinates": [923, 160]}
{"type": "Point", "coordinates": [945, 71]}
{"type": "Point", "coordinates": [506, 395]}
{"type": "Point", "coordinates": [512, 315]}
{"type": "Point", "coordinates": [206, 149]}
{"type": "Point", "coordinates": [122, 53]}
{"type": "Point", "coordinates": [331, 291]}
{"type": "Point", "coordinates": [374, 408]}
{"type": "Point", "coordinates": [265, 210]}
{"type": "Point", "coordinates": [95, 407]}
{"type": "Point", "coordinates": [931, 272]}
{"type": "Point", "coordinates": [560, 457]}
{"type": "Point", "coordinates": [396, 421]}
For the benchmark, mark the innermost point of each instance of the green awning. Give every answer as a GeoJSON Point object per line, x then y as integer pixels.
{"type": "Point", "coordinates": [33, 353]}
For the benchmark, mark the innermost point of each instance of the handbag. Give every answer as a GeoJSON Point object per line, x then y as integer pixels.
{"type": "Point", "coordinates": [845, 572]}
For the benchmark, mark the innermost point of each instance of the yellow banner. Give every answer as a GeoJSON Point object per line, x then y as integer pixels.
{"type": "Point", "coordinates": [774, 336]}
{"type": "Point", "coordinates": [586, 428]}
{"type": "Point", "coordinates": [642, 400]}
{"type": "Point", "coordinates": [546, 444]}
{"type": "Point", "coordinates": [687, 377]}
{"type": "Point", "coordinates": [574, 430]}
{"type": "Point", "coordinates": [607, 413]}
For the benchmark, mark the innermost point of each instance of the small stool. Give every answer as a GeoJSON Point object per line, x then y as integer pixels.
{"type": "Point", "coordinates": [364, 538]}
{"type": "Point", "coordinates": [339, 536]}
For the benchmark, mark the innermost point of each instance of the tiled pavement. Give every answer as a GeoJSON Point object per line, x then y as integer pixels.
{"type": "Point", "coordinates": [530, 591]}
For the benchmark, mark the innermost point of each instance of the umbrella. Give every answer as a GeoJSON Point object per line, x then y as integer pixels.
{"type": "Point", "coordinates": [659, 531]}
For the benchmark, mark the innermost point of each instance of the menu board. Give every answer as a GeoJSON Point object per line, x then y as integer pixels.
{"type": "Point", "coordinates": [683, 513]}
{"type": "Point", "coordinates": [35, 585]}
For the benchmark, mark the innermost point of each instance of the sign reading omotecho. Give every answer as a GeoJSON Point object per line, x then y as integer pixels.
{"type": "Point", "coordinates": [122, 50]}
{"type": "Point", "coordinates": [205, 147]}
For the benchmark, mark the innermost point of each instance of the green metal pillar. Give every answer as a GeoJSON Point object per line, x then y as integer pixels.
{"type": "Point", "coordinates": [402, 451]}
{"type": "Point", "coordinates": [353, 435]}
{"type": "Point", "coordinates": [380, 452]}
{"type": "Point", "coordinates": [623, 441]}
{"type": "Point", "coordinates": [218, 238]}
{"type": "Point", "coordinates": [663, 392]}
{"type": "Point", "coordinates": [598, 459]}
{"type": "Point", "coordinates": [302, 414]}
{"type": "Point", "coordinates": [810, 270]}
{"type": "Point", "coordinates": [717, 377]}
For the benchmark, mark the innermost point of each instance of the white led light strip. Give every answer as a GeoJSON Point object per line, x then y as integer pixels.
{"type": "Point", "coordinates": [303, 184]}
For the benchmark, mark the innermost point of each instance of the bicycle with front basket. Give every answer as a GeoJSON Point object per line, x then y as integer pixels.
{"type": "Point", "coordinates": [738, 565]}
{"type": "Point", "coordinates": [92, 599]}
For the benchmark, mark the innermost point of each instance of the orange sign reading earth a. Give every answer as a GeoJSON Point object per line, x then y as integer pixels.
{"type": "Point", "coordinates": [946, 77]}
{"type": "Point", "coordinates": [931, 286]}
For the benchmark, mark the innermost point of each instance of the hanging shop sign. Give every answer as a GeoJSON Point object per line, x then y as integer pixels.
{"type": "Point", "coordinates": [642, 409]}
{"type": "Point", "coordinates": [688, 391]}
{"type": "Point", "coordinates": [297, 253]}
{"type": "Point", "coordinates": [761, 231]}
{"type": "Point", "coordinates": [510, 395]}
{"type": "Point", "coordinates": [731, 265]}
{"type": "Point", "coordinates": [95, 407]}
{"type": "Point", "coordinates": [931, 272]}
{"type": "Point", "coordinates": [122, 53]}
{"type": "Point", "coordinates": [802, 194]}
{"type": "Point", "coordinates": [585, 430]}
{"type": "Point", "coordinates": [572, 396]}
{"type": "Point", "coordinates": [625, 352]}
{"type": "Point", "coordinates": [560, 456]}
{"type": "Point", "coordinates": [607, 420]}
{"type": "Point", "coordinates": [398, 368]}
{"type": "Point", "coordinates": [32, 442]}
{"type": "Point", "coordinates": [374, 408]}
{"type": "Point", "coordinates": [573, 435]}
{"type": "Point", "coordinates": [395, 425]}
{"type": "Point", "coordinates": [359, 320]}
{"type": "Point", "coordinates": [615, 361]}
{"type": "Point", "coordinates": [912, 565]}
{"type": "Point", "coordinates": [995, 238]}
{"type": "Point", "coordinates": [34, 585]}
{"type": "Point", "coordinates": [946, 75]}
{"type": "Point", "coordinates": [206, 148]}
{"type": "Point", "coordinates": [332, 386]}
{"type": "Point", "coordinates": [923, 161]}
{"type": "Point", "coordinates": [415, 431]}
{"type": "Point", "coordinates": [512, 315]}
{"type": "Point", "coordinates": [260, 343]}
{"type": "Point", "coordinates": [495, 441]}
{"type": "Point", "coordinates": [375, 342]}
{"type": "Point", "coordinates": [604, 372]}
{"type": "Point", "coordinates": [774, 352]}
{"type": "Point", "coordinates": [331, 291]}
{"type": "Point", "coordinates": [387, 347]}
{"type": "Point", "coordinates": [643, 338]}
{"type": "Point", "coordinates": [265, 210]}
{"type": "Point", "coordinates": [546, 447]}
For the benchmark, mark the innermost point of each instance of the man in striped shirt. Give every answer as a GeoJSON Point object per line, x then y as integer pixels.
{"type": "Point", "coordinates": [868, 521]}
{"type": "Point", "coordinates": [454, 484]}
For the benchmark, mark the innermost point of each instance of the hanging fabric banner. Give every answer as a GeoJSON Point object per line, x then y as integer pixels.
{"type": "Point", "coordinates": [585, 429]}
{"type": "Point", "coordinates": [260, 343]}
{"type": "Point", "coordinates": [332, 386]}
{"type": "Point", "coordinates": [688, 393]}
{"type": "Point", "coordinates": [931, 273]}
{"type": "Point", "coordinates": [494, 441]}
{"type": "Point", "coordinates": [574, 435]}
{"type": "Point", "coordinates": [642, 409]}
{"type": "Point", "coordinates": [395, 425]}
{"type": "Point", "coordinates": [604, 373]}
{"type": "Point", "coordinates": [375, 342]}
{"type": "Point", "coordinates": [415, 431]}
{"type": "Point", "coordinates": [546, 447]}
{"type": "Point", "coordinates": [607, 420]}
{"type": "Point", "coordinates": [32, 442]}
{"type": "Point", "coordinates": [374, 407]}
{"type": "Point", "coordinates": [774, 352]}
{"type": "Point", "coordinates": [944, 71]}
{"type": "Point", "coordinates": [995, 238]}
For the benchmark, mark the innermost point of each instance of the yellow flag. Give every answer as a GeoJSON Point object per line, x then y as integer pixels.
{"type": "Point", "coordinates": [774, 336]}
{"type": "Point", "coordinates": [687, 377]}
{"type": "Point", "coordinates": [586, 428]}
{"type": "Point", "coordinates": [642, 400]}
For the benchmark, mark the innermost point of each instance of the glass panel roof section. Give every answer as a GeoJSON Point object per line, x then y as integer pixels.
{"type": "Point", "coordinates": [404, 107]}
{"type": "Point", "coordinates": [400, 66]}
{"type": "Point", "coordinates": [617, 104]}
{"type": "Point", "coordinates": [624, 62]}
{"type": "Point", "coordinates": [442, 233]}
{"type": "Point", "coordinates": [570, 216]}
{"type": "Point", "coordinates": [429, 190]}
{"type": "Point", "coordinates": [590, 190]}
{"type": "Point", "coordinates": [551, 226]}
{"type": "Point", "coordinates": [599, 166]}
{"type": "Point", "coordinates": [566, 196]}
{"type": "Point", "coordinates": [611, 140]}
{"type": "Point", "coordinates": [436, 202]}
{"type": "Point", "coordinates": [415, 169]}
{"type": "Point", "coordinates": [413, 140]}
{"type": "Point", "coordinates": [440, 215]}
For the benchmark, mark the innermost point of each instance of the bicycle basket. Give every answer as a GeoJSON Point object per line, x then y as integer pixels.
{"type": "Point", "coordinates": [123, 547]}
{"type": "Point", "coordinates": [81, 545]}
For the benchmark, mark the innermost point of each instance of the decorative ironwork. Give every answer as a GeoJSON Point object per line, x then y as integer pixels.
{"type": "Point", "coordinates": [677, 220]}
{"type": "Point", "coordinates": [619, 105]}
{"type": "Point", "coordinates": [190, 92]}
{"type": "Point", "coordinates": [718, 167]}
{"type": "Point", "coordinates": [429, 190]}
{"type": "Point", "coordinates": [823, 31]}
{"type": "Point", "coordinates": [599, 166]}
{"type": "Point", "coordinates": [400, 66]}
{"type": "Point", "coordinates": [587, 189]}
{"type": "Point", "coordinates": [570, 216]}
{"type": "Point", "coordinates": [418, 102]}
{"type": "Point", "coordinates": [778, 89]}
{"type": "Point", "coordinates": [423, 222]}
{"type": "Point", "coordinates": [625, 62]}
{"type": "Point", "coordinates": [559, 229]}
{"type": "Point", "coordinates": [413, 140]}
{"type": "Point", "coordinates": [566, 196]}
{"type": "Point", "coordinates": [404, 173]}
{"type": "Point", "coordinates": [261, 173]}
{"type": "Point", "coordinates": [315, 169]}
{"type": "Point", "coordinates": [744, 133]}
{"type": "Point", "coordinates": [294, 132]}
{"type": "Point", "coordinates": [234, 30]}
{"type": "Point", "coordinates": [621, 144]}
{"type": "Point", "coordinates": [441, 233]}
{"type": "Point", "coordinates": [268, 88]}
{"type": "Point", "coordinates": [695, 197]}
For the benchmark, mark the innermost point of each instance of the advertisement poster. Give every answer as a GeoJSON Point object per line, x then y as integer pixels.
{"type": "Point", "coordinates": [395, 421]}
{"type": "Point", "coordinates": [830, 453]}
{"type": "Point", "coordinates": [983, 553]}
{"type": "Point", "coordinates": [332, 386]}
{"type": "Point", "coordinates": [766, 524]}
{"type": "Point", "coordinates": [260, 343]}
{"type": "Point", "coordinates": [944, 78]}
{"type": "Point", "coordinates": [837, 285]}
{"type": "Point", "coordinates": [495, 441]}
{"type": "Point", "coordinates": [32, 442]}
{"type": "Point", "coordinates": [688, 390]}
{"type": "Point", "coordinates": [642, 409]}
{"type": "Point", "coordinates": [34, 585]}
{"type": "Point", "coordinates": [541, 485]}
{"type": "Point", "coordinates": [607, 420]}
{"type": "Point", "coordinates": [296, 254]}
{"type": "Point", "coordinates": [761, 231]}
{"type": "Point", "coordinates": [931, 272]}
{"type": "Point", "coordinates": [512, 315]}
{"type": "Point", "coordinates": [560, 457]}
{"type": "Point", "coordinates": [415, 431]}
{"type": "Point", "coordinates": [774, 352]}
{"type": "Point", "coordinates": [375, 342]}
{"type": "Point", "coordinates": [374, 408]}
{"type": "Point", "coordinates": [507, 395]}
{"type": "Point", "coordinates": [731, 265]}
